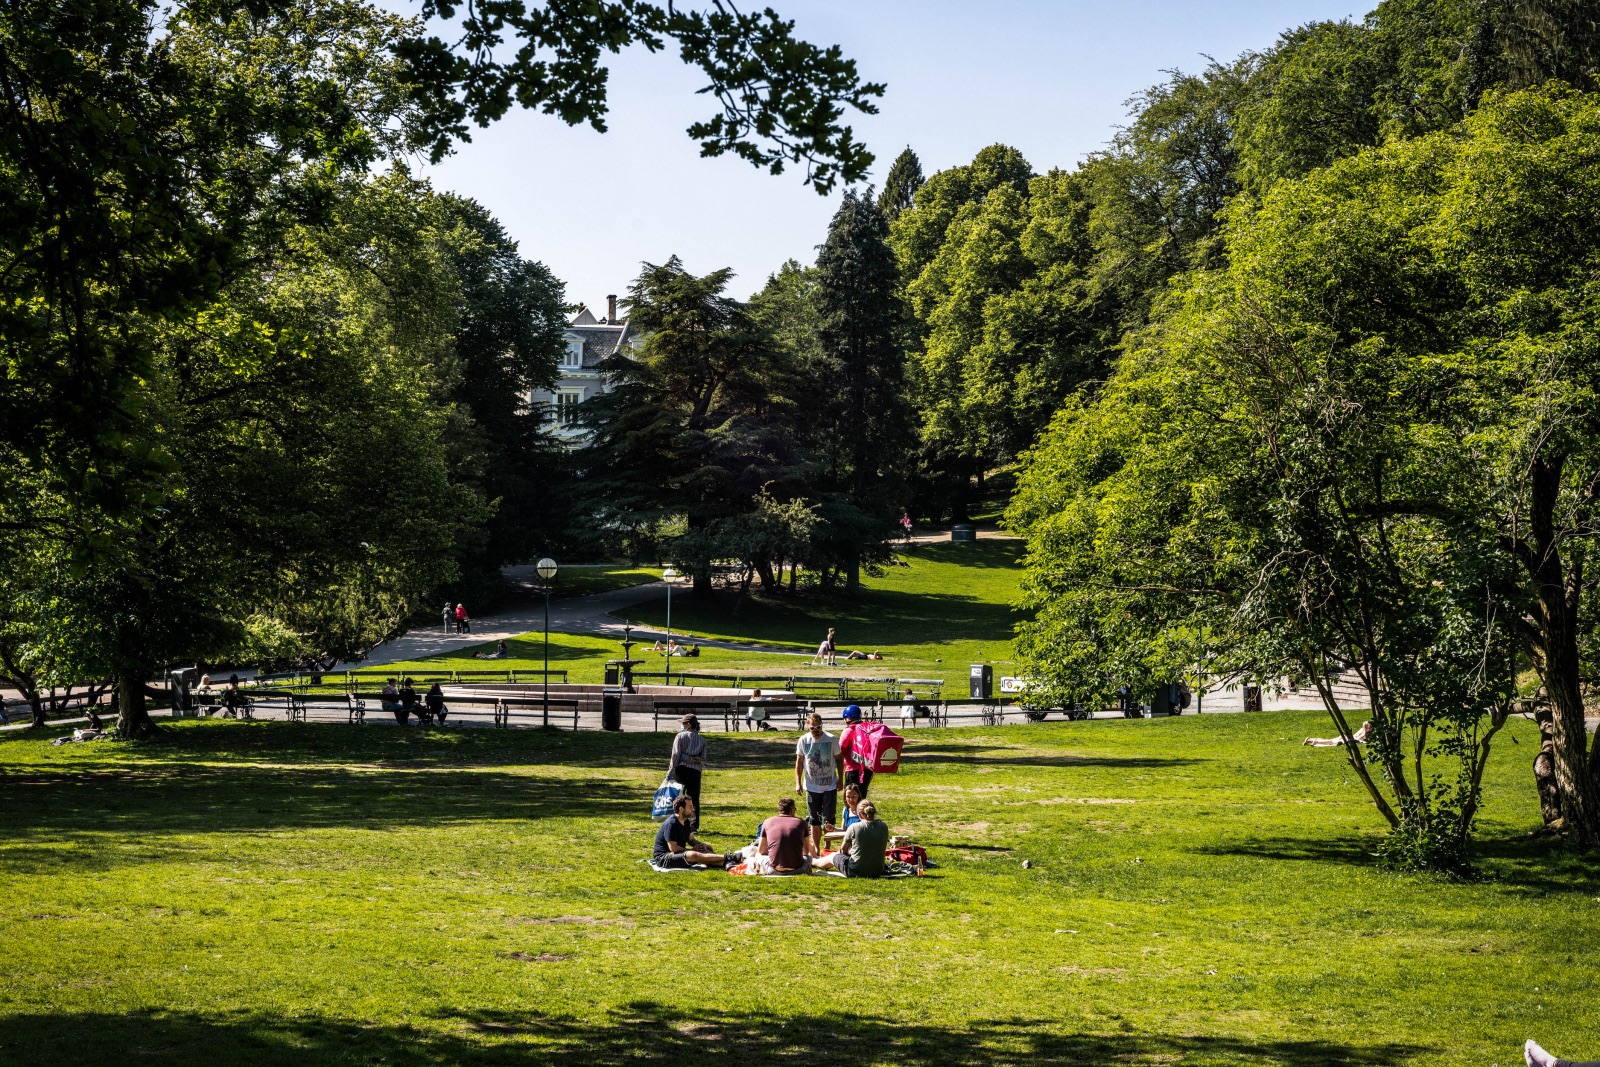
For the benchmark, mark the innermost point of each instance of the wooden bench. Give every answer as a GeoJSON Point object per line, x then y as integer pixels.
{"type": "Point", "coordinates": [756, 712]}
{"type": "Point", "coordinates": [680, 708]}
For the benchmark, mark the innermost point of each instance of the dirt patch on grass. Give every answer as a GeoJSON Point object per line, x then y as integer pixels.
{"type": "Point", "coordinates": [1098, 972]}
{"type": "Point", "coordinates": [543, 957]}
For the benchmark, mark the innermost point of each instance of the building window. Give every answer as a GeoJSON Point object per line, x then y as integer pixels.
{"type": "Point", "coordinates": [573, 357]}
{"type": "Point", "coordinates": [567, 401]}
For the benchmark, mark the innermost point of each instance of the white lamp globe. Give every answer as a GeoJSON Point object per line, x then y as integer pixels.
{"type": "Point", "coordinates": [669, 574]}
{"type": "Point", "coordinates": [545, 568]}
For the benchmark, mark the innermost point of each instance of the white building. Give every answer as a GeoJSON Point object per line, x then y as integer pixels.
{"type": "Point", "coordinates": [589, 341]}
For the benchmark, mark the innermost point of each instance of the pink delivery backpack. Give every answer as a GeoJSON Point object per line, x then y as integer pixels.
{"type": "Point", "coordinates": [877, 747]}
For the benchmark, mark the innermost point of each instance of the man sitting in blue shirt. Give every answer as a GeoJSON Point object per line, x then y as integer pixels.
{"type": "Point", "coordinates": [676, 845]}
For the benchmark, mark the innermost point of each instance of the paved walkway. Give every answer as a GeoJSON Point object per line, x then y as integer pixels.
{"type": "Point", "coordinates": [600, 614]}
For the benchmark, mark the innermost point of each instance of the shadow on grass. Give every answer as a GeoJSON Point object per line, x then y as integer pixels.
{"type": "Point", "coordinates": [1002, 756]}
{"type": "Point", "coordinates": [1541, 864]}
{"type": "Point", "coordinates": [641, 1032]}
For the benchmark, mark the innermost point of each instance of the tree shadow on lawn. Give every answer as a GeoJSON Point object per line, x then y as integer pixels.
{"type": "Point", "coordinates": [979, 754]}
{"type": "Point", "coordinates": [1541, 864]}
{"type": "Point", "coordinates": [642, 1032]}
{"type": "Point", "coordinates": [99, 810]}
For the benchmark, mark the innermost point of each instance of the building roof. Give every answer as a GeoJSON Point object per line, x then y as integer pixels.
{"type": "Point", "coordinates": [600, 338]}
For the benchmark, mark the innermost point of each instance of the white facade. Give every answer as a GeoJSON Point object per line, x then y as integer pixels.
{"type": "Point", "coordinates": [589, 342]}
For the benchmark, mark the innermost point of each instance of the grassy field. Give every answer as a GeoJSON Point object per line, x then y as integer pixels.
{"type": "Point", "coordinates": [947, 608]}
{"type": "Point", "coordinates": [585, 578]}
{"type": "Point", "coordinates": [1200, 892]}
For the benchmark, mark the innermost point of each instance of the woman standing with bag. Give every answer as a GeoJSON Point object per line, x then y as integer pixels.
{"type": "Point", "coordinates": [688, 762]}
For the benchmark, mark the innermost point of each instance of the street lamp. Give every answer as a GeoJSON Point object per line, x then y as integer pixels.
{"type": "Point", "coordinates": [667, 576]}
{"type": "Point", "coordinates": [546, 570]}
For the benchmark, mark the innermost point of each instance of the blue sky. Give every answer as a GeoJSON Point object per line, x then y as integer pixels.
{"type": "Point", "coordinates": [1050, 77]}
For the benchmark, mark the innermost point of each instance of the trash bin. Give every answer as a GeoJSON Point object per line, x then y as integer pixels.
{"type": "Point", "coordinates": [611, 710]}
{"type": "Point", "coordinates": [980, 682]}
{"type": "Point", "coordinates": [963, 531]}
{"type": "Point", "coordinates": [611, 674]}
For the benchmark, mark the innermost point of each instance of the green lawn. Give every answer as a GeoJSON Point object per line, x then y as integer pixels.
{"type": "Point", "coordinates": [585, 578]}
{"type": "Point", "coordinates": [1201, 892]}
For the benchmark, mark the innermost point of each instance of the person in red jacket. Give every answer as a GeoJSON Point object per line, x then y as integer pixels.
{"type": "Point", "coordinates": [856, 772]}
{"type": "Point", "coordinates": [463, 623]}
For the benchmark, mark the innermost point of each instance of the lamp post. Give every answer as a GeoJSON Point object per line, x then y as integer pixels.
{"type": "Point", "coordinates": [667, 576]}
{"type": "Point", "coordinates": [546, 569]}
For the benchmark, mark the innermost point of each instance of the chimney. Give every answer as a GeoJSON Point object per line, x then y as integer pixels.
{"type": "Point", "coordinates": [611, 308]}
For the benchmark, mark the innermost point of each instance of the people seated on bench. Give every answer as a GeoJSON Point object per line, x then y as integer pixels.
{"type": "Point", "coordinates": [232, 698]}
{"type": "Point", "coordinates": [784, 844]}
{"type": "Point", "coordinates": [911, 710]}
{"type": "Point", "coordinates": [852, 802]}
{"type": "Point", "coordinates": [1361, 736]}
{"type": "Point", "coordinates": [435, 702]}
{"type": "Point", "coordinates": [676, 845]}
{"type": "Point", "coordinates": [390, 698]}
{"type": "Point", "coordinates": [756, 716]}
{"type": "Point", "coordinates": [409, 704]}
{"type": "Point", "coordinates": [860, 855]}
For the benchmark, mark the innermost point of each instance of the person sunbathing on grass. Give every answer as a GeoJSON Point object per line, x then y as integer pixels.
{"type": "Point", "coordinates": [1362, 736]}
{"type": "Point", "coordinates": [676, 845]}
{"type": "Point", "coordinates": [1538, 1057]}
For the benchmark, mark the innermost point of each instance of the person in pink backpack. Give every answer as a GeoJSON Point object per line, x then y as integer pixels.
{"type": "Point", "coordinates": [851, 758]}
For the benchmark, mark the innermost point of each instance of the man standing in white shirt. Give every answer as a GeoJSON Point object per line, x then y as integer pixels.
{"type": "Point", "coordinates": [817, 766]}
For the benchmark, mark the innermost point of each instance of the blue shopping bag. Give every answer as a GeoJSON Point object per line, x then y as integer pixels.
{"type": "Point", "coordinates": [665, 796]}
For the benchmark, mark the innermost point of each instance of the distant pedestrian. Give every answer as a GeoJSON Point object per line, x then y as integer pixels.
{"type": "Point", "coordinates": [449, 616]}
{"type": "Point", "coordinates": [905, 524]}
{"type": "Point", "coordinates": [463, 623]}
{"type": "Point", "coordinates": [689, 763]}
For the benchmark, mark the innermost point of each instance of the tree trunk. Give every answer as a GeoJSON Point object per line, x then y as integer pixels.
{"type": "Point", "coordinates": [36, 705]}
{"type": "Point", "coordinates": [1558, 589]}
{"type": "Point", "coordinates": [132, 718]}
{"type": "Point", "coordinates": [769, 582]}
{"type": "Point", "coordinates": [853, 581]}
{"type": "Point", "coordinates": [1544, 773]}
{"type": "Point", "coordinates": [702, 580]}
{"type": "Point", "coordinates": [794, 575]}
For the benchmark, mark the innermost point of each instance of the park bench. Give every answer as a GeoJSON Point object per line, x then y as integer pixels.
{"type": "Point", "coordinates": [532, 708]}
{"type": "Point", "coordinates": [871, 710]}
{"type": "Point", "coordinates": [756, 712]}
{"type": "Point", "coordinates": [699, 708]}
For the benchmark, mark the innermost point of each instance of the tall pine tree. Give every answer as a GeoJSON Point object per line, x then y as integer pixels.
{"type": "Point", "coordinates": [901, 185]}
{"type": "Point", "coordinates": [859, 316]}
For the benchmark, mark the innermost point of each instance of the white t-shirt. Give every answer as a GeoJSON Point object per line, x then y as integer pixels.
{"type": "Point", "coordinates": [819, 753]}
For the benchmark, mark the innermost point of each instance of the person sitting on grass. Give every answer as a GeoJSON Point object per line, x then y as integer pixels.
{"type": "Point", "coordinates": [1361, 736]}
{"type": "Point", "coordinates": [498, 653]}
{"type": "Point", "coordinates": [676, 845]}
{"type": "Point", "coordinates": [860, 855]}
{"type": "Point", "coordinates": [1538, 1057]}
{"type": "Point", "coordinates": [784, 843]}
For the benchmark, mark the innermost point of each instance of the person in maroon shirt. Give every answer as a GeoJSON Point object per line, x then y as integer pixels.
{"type": "Point", "coordinates": [784, 841]}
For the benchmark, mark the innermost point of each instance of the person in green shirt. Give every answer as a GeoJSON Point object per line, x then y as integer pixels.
{"type": "Point", "coordinates": [861, 852]}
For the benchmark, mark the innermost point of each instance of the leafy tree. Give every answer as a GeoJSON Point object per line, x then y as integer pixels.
{"type": "Point", "coordinates": [507, 341]}
{"type": "Point", "coordinates": [781, 98]}
{"type": "Point", "coordinates": [900, 185]}
{"type": "Point", "coordinates": [692, 425]}
{"type": "Point", "coordinates": [1368, 442]}
{"type": "Point", "coordinates": [858, 331]}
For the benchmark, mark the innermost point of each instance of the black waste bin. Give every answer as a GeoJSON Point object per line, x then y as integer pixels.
{"type": "Point", "coordinates": [980, 682]}
{"type": "Point", "coordinates": [611, 674]}
{"type": "Point", "coordinates": [963, 531]}
{"type": "Point", "coordinates": [611, 710]}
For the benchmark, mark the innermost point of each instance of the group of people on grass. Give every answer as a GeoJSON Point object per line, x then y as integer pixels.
{"type": "Point", "coordinates": [785, 843]}
{"type": "Point", "coordinates": [672, 648]}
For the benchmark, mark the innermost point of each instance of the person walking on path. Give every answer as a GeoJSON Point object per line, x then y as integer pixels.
{"type": "Point", "coordinates": [463, 623]}
{"type": "Point", "coordinates": [449, 616]}
{"type": "Point", "coordinates": [817, 765]}
{"type": "Point", "coordinates": [856, 772]}
{"type": "Point", "coordinates": [689, 763]}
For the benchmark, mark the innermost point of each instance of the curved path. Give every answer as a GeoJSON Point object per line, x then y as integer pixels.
{"type": "Point", "coordinates": [596, 613]}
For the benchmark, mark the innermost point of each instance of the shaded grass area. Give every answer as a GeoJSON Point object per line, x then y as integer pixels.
{"type": "Point", "coordinates": [583, 579]}
{"type": "Point", "coordinates": [1201, 891]}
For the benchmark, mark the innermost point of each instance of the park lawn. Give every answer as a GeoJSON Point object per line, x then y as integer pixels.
{"type": "Point", "coordinates": [1201, 892]}
{"type": "Point", "coordinates": [584, 578]}
{"type": "Point", "coordinates": [948, 607]}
